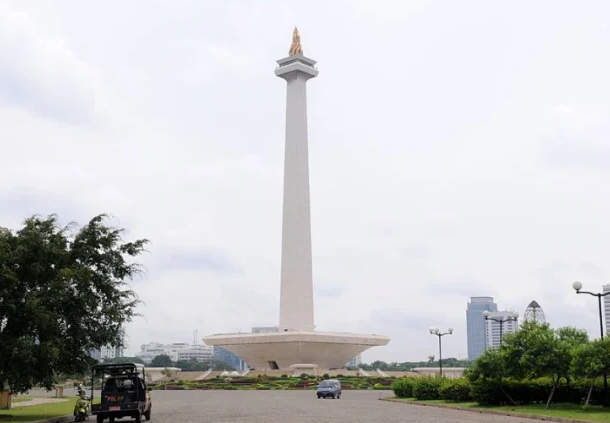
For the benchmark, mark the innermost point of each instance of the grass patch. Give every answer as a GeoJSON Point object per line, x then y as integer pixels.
{"type": "Point", "coordinates": [32, 413]}
{"type": "Point", "coordinates": [566, 411]}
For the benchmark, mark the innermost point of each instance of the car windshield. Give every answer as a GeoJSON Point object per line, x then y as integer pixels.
{"type": "Point", "coordinates": [327, 383]}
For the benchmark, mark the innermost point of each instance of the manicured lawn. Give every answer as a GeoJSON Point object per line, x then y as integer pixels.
{"type": "Point", "coordinates": [567, 411]}
{"type": "Point", "coordinates": [37, 412]}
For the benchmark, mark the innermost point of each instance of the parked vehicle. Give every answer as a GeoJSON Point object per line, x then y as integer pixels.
{"type": "Point", "coordinates": [124, 392]}
{"type": "Point", "coordinates": [82, 406]}
{"type": "Point", "coordinates": [330, 388]}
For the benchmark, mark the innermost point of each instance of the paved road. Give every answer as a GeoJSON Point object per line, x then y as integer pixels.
{"type": "Point", "coordinates": [300, 407]}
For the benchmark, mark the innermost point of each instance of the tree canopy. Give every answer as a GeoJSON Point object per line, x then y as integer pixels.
{"type": "Point", "coordinates": [63, 292]}
{"type": "Point", "coordinates": [162, 360]}
{"type": "Point", "coordinates": [538, 351]}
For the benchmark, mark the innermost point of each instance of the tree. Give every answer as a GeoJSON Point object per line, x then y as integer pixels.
{"type": "Point", "coordinates": [590, 361]}
{"type": "Point", "coordinates": [572, 338]}
{"type": "Point", "coordinates": [536, 351]}
{"type": "Point", "coordinates": [162, 360]}
{"type": "Point", "coordinates": [63, 292]}
{"type": "Point", "coordinates": [489, 369]}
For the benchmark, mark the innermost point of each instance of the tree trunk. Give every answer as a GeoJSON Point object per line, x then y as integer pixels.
{"type": "Point", "coordinates": [507, 396]}
{"type": "Point", "coordinates": [590, 390]}
{"type": "Point", "coordinates": [555, 383]}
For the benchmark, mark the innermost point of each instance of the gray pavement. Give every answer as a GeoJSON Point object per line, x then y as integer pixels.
{"type": "Point", "coordinates": [301, 407]}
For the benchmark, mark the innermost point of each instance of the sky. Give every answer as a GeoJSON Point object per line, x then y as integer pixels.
{"type": "Point", "coordinates": [457, 148]}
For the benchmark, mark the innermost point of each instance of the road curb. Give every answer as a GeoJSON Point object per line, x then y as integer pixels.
{"type": "Point", "coordinates": [483, 411]}
{"type": "Point", "coordinates": [61, 419]}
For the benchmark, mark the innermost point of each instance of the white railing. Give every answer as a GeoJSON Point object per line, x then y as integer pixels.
{"type": "Point", "coordinates": [363, 372]}
{"type": "Point", "coordinates": [206, 374]}
{"type": "Point", "coordinates": [382, 373]}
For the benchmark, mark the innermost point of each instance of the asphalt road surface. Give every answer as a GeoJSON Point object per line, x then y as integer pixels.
{"type": "Point", "coordinates": [300, 407]}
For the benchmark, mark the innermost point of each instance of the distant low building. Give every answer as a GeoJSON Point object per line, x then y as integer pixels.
{"type": "Point", "coordinates": [265, 329]}
{"type": "Point", "coordinates": [179, 351]}
{"type": "Point", "coordinates": [449, 372]}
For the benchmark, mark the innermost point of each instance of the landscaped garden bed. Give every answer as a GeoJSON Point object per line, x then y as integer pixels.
{"type": "Point", "coordinates": [273, 383]}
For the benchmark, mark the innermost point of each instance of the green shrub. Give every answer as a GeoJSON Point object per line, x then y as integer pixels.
{"type": "Point", "coordinates": [325, 376]}
{"type": "Point", "coordinates": [403, 388]}
{"type": "Point", "coordinates": [304, 376]}
{"type": "Point", "coordinates": [426, 388]}
{"type": "Point", "coordinates": [455, 390]}
{"type": "Point", "coordinates": [338, 376]}
{"type": "Point", "coordinates": [379, 386]}
{"type": "Point", "coordinates": [262, 387]}
{"type": "Point", "coordinates": [284, 375]}
{"type": "Point", "coordinates": [228, 387]}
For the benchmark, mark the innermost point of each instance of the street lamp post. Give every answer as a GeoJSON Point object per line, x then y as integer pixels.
{"type": "Point", "coordinates": [578, 287]}
{"type": "Point", "coordinates": [437, 332]}
{"type": "Point", "coordinates": [501, 320]}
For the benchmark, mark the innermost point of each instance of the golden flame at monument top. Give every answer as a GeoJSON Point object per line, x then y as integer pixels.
{"type": "Point", "coordinates": [295, 47]}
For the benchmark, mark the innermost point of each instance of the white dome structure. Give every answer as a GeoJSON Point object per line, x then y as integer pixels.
{"type": "Point", "coordinates": [224, 374]}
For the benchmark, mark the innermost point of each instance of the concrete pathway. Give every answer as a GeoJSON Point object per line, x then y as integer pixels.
{"type": "Point", "coordinates": [39, 401]}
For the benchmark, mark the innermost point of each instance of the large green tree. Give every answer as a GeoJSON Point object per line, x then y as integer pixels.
{"type": "Point", "coordinates": [162, 360]}
{"type": "Point", "coordinates": [536, 350]}
{"type": "Point", "coordinates": [591, 360]}
{"type": "Point", "coordinates": [63, 292]}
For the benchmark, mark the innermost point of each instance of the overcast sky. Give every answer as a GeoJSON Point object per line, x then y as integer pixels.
{"type": "Point", "coordinates": [457, 148]}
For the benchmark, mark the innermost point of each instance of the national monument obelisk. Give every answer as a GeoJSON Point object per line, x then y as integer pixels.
{"type": "Point", "coordinates": [296, 345]}
{"type": "Point", "coordinates": [296, 292]}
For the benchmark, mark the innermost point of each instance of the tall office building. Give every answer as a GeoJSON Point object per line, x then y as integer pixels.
{"type": "Point", "coordinates": [475, 324]}
{"type": "Point", "coordinates": [494, 330]}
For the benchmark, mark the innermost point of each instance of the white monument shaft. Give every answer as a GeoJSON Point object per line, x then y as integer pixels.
{"type": "Point", "coordinates": [296, 292]}
{"type": "Point", "coordinates": [296, 343]}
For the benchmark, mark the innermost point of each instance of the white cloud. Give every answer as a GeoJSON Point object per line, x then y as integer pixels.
{"type": "Point", "coordinates": [43, 75]}
{"type": "Point", "coordinates": [438, 158]}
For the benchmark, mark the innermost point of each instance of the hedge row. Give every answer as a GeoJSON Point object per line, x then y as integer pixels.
{"type": "Point", "coordinates": [271, 383]}
{"type": "Point", "coordinates": [496, 393]}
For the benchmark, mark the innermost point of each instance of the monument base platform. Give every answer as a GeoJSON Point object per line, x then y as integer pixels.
{"type": "Point", "coordinates": [281, 350]}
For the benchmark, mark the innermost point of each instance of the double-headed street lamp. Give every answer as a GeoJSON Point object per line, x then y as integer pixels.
{"type": "Point", "coordinates": [577, 287]}
{"type": "Point", "coordinates": [501, 319]}
{"type": "Point", "coordinates": [437, 332]}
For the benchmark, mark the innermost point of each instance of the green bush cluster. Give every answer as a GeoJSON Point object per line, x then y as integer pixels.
{"type": "Point", "coordinates": [534, 391]}
{"type": "Point", "coordinates": [455, 390]}
{"type": "Point", "coordinates": [433, 388]}
{"type": "Point", "coordinates": [427, 388]}
{"type": "Point", "coordinates": [403, 388]}
{"type": "Point", "coordinates": [491, 392]}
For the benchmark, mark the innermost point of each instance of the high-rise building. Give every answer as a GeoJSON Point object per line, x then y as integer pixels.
{"type": "Point", "coordinates": [475, 324]}
{"type": "Point", "coordinates": [494, 329]}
